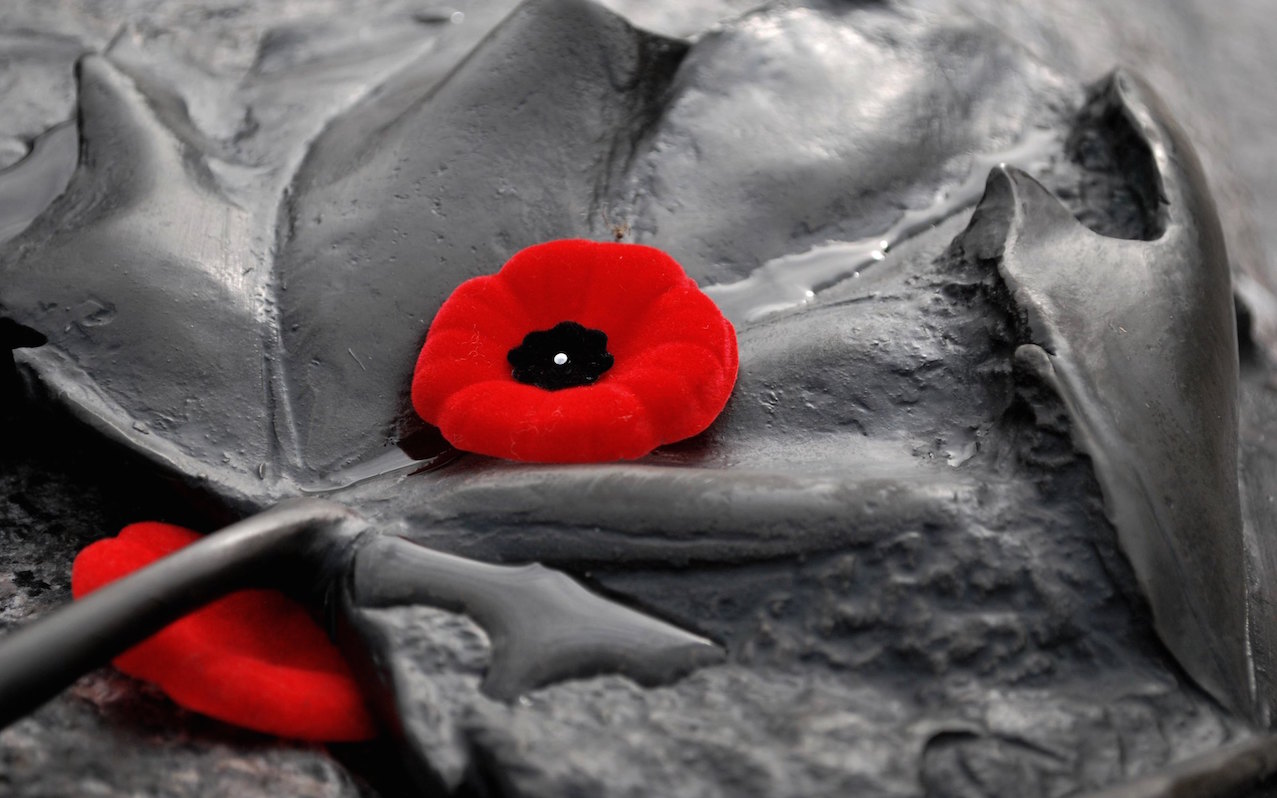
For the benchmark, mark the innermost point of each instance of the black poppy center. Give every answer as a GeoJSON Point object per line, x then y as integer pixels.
{"type": "Point", "coordinates": [565, 356]}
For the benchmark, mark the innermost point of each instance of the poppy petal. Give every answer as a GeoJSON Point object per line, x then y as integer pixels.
{"type": "Point", "coordinates": [628, 284]}
{"type": "Point", "coordinates": [668, 381]}
{"type": "Point", "coordinates": [677, 349]}
{"type": "Point", "coordinates": [484, 298]}
{"type": "Point", "coordinates": [552, 282]}
{"type": "Point", "coordinates": [453, 360]}
{"type": "Point", "coordinates": [523, 422]}
{"type": "Point", "coordinates": [683, 314]}
{"type": "Point", "coordinates": [254, 658]}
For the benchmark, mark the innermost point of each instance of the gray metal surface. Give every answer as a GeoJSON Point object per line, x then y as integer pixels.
{"type": "Point", "coordinates": [926, 527]}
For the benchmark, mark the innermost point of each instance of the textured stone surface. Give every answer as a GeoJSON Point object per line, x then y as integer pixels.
{"type": "Point", "coordinates": [890, 531]}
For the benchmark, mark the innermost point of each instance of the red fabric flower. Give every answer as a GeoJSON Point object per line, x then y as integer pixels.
{"type": "Point", "coordinates": [491, 373]}
{"type": "Point", "coordinates": [254, 658]}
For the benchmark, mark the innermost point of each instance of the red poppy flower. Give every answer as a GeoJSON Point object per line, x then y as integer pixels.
{"type": "Point", "coordinates": [254, 658]}
{"type": "Point", "coordinates": [576, 351]}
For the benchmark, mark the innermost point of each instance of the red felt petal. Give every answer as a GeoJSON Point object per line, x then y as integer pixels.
{"type": "Point", "coordinates": [488, 301]}
{"type": "Point", "coordinates": [629, 280]}
{"type": "Point", "coordinates": [680, 383]}
{"type": "Point", "coordinates": [552, 279]}
{"type": "Point", "coordinates": [255, 658]}
{"type": "Point", "coordinates": [454, 359]}
{"type": "Point", "coordinates": [685, 315]}
{"type": "Point", "coordinates": [576, 425]}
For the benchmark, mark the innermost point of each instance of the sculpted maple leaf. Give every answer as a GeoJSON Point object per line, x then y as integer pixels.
{"type": "Point", "coordinates": [252, 326]}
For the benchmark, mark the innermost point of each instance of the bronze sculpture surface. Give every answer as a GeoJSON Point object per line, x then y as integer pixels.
{"type": "Point", "coordinates": [900, 531]}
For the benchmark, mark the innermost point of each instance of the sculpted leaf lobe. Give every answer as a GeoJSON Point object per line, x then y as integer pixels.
{"type": "Point", "coordinates": [507, 152]}
{"type": "Point", "coordinates": [144, 255]}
